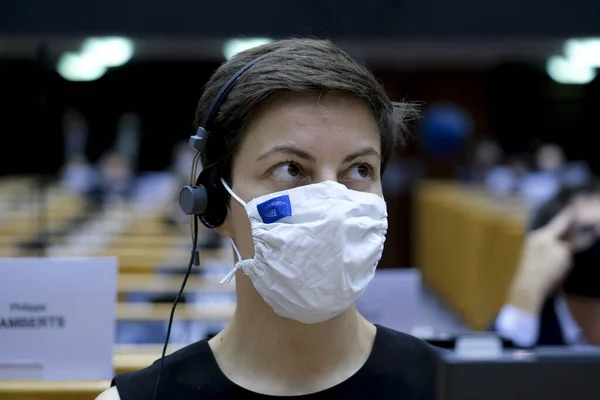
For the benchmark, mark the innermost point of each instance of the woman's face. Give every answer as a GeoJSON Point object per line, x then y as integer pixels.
{"type": "Point", "coordinates": [297, 140]}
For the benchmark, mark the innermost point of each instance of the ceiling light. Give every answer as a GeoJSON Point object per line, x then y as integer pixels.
{"type": "Point", "coordinates": [234, 46]}
{"type": "Point", "coordinates": [79, 67]}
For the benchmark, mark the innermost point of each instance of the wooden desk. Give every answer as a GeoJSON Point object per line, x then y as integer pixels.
{"type": "Point", "coordinates": [136, 261]}
{"type": "Point", "coordinates": [468, 245]}
{"type": "Point", "coordinates": [153, 226]}
{"type": "Point", "coordinates": [155, 253]}
{"type": "Point", "coordinates": [26, 225]}
{"type": "Point", "coordinates": [47, 390]}
{"type": "Point", "coordinates": [148, 241]}
{"type": "Point", "coordinates": [60, 207]}
{"type": "Point", "coordinates": [161, 312]}
{"type": "Point", "coordinates": [158, 283]}
{"type": "Point", "coordinates": [8, 240]}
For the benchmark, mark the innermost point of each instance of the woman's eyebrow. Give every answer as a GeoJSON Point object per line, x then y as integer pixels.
{"type": "Point", "coordinates": [291, 150]}
{"type": "Point", "coordinates": [367, 151]}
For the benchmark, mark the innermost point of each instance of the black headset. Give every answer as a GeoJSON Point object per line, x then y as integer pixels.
{"type": "Point", "coordinates": [207, 198]}
{"type": "Point", "coordinates": [194, 198]}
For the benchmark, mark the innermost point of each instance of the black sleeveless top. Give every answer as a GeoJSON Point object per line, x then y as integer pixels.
{"type": "Point", "coordinates": [400, 367]}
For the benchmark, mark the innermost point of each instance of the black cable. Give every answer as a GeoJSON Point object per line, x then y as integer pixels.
{"type": "Point", "coordinates": [187, 275]}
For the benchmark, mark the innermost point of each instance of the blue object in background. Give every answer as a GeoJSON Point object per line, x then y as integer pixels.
{"type": "Point", "coordinates": [445, 129]}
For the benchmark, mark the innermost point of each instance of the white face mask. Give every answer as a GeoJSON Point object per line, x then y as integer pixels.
{"type": "Point", "coordinates": [316, 248]}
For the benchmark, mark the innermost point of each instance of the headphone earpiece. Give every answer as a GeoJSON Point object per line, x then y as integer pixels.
{"type": "Point", "coordinates": [193, 200]}
{"type": "Point", "coordinates": [207, 199]}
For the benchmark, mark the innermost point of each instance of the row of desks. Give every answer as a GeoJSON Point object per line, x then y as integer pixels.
{"type": "Point", "coordinates": [48, 390]}
{"type": "Point", "coordinates": [146, 261]}
{"type": "Point", "coordinates": [59, 207]}
{"type": "Point", "coordinates": [159, 284]}
{"type": "Point", "coordinates": [468, 245]}
{"type": "Point", "coordinates": [144, 312]}
{"type": "Point", "coordinates": [144, 248]}
{"type": "Point", "coordinates": [144, 245]}
{"type": "Point", "coordinates": [126, 358]}
{"type": "Point", "coordinates": [123, 243]}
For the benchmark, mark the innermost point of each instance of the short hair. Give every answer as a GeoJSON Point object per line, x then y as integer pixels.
{"type": "Point", "coordinates": [293, 66]}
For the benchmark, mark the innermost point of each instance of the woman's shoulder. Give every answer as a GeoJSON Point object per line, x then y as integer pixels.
{"type": "Point", "coordinates": [403, 352]}
{"type": "Point", "coordinates": [405, 343]}
{"type": "Point", "coordinates": [140, 385]}
{"type": "Point", "coordinates": [404, 364]}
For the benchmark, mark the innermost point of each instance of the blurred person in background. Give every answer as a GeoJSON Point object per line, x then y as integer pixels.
{"type": "Point", "coordinates": [552, 172]}
{"type": "Point", "coordinates": [486, 155]}
{"type": "Point", "coordinates": [575, 174]}
{"type": "Point", "coordinates": [554, 298]}
{"type": "Point", "coordinates": [77, 175]}
{"type": "Point", "coordinates": [549, 157]}
{"type": "Point", "coordinates": [320, 131]}
{"type": "Point", "coordinates": [116, 179]}
{"type": "Point", "coordinates": [75, 131]}
{"type": "Point", "coordinates": [551, 161]}
{"type": "Point", "coordinates": [505, 180]}
{"type": "Point", "coordinates": [127, 144]}
{"type": "Point", "coordinates": [544, 182]}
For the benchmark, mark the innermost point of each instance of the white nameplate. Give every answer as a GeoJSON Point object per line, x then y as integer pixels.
{"type": "Point", "coordinates": [57, 318]}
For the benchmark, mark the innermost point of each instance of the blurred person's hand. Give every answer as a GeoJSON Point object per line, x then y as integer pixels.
{"type": "Point", "coordinates": [545, 261]}
{"type": "Point", "coordinates": [547, 254]}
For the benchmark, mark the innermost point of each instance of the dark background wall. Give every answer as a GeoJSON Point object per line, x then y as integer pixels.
{"type": "Point", "coordinates": [515, 103]}
{"type": "Point", "coordinates": [332, 18]}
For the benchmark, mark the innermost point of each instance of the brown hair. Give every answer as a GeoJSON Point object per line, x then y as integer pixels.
{"type": "Point", "coordinates": [293, 65]}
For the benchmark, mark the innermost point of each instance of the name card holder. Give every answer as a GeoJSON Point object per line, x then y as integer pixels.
{"type": "Point", "coordinates": [57, 318]}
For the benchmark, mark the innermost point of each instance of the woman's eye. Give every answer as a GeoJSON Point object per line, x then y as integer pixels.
{"type": "Point", "coordinates": [359, 172]}
{"type": "Point", "coordinates": [287, 171]}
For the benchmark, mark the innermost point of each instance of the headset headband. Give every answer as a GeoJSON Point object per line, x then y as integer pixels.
{"type": "Point", "coordinates": [223, 92]}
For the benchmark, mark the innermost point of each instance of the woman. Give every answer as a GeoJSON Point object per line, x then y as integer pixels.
{"type": "Point", "coordinates": [300, 143]}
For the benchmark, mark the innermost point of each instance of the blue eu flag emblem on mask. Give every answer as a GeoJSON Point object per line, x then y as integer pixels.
{"type": "Point", "coordinates": [274, 209]}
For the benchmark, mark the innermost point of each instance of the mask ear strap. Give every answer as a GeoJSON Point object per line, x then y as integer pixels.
{"type": "Point", "coordinates": [235, 196]}
{"type": "Point", "coordinates": [231, 273]}
{"type": "Point", "coordinates": [237, 252]}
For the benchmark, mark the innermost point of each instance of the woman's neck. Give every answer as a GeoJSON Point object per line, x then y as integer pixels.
{"type": "Point", "coordinates": [258, 344]}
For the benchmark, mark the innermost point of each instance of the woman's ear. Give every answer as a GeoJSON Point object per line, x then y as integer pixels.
{"type": "Point", "coordinates": [225, 228]}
